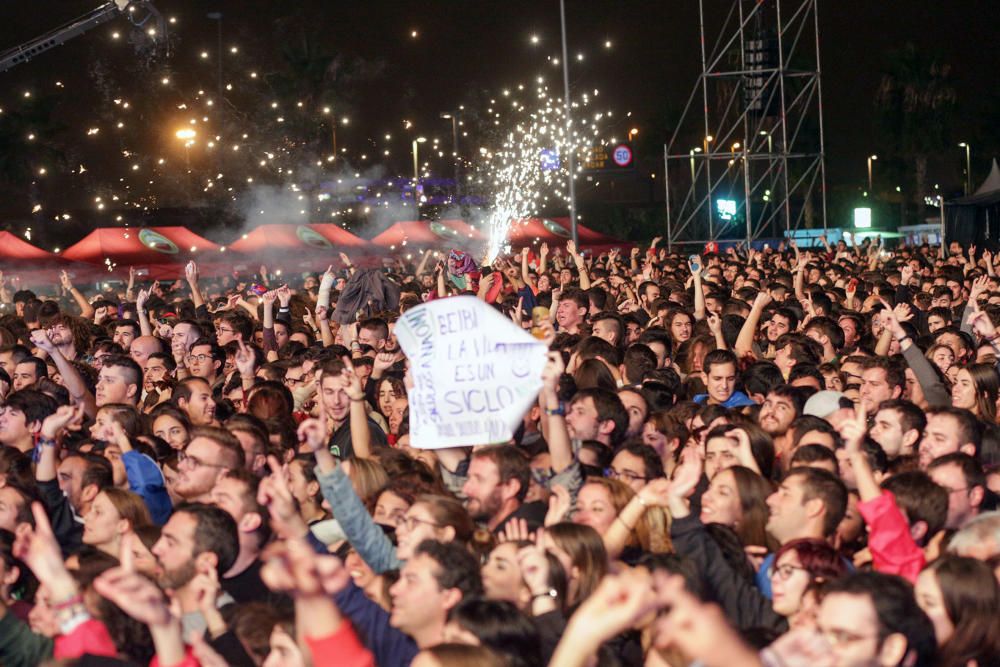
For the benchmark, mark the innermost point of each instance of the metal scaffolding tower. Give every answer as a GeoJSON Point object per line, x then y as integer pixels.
{"type": "Point", "coordinates": [752, 163]}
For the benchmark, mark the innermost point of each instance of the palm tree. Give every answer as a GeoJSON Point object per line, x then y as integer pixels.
{"type": "Point", "coordinates": [915, 107]}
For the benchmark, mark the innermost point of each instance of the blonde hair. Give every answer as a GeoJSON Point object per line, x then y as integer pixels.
{"type": "Point", "coordinates": [652, 532]}
{"type": "Point", "coordinates": [368, 478]}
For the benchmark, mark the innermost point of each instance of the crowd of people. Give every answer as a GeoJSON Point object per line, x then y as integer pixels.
{"type": "Point", "coordinates": [772, 457]}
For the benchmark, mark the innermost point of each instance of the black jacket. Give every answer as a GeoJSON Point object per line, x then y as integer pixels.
{"type": "Point", "coordinates": [745, 606]}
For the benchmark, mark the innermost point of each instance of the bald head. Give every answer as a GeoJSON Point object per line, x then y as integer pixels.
{"type": "Point", "coordinates": [142, 347]}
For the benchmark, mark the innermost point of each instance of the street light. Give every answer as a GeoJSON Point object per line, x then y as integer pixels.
{"type": "Point", "coordinates": [871, 158]}
{"type": "Point", "coordinates": [416, 173]}
{"type": "Point", "coordinates": [633, 133]}
{"type": "Point", "coordinates": [968, 166]}
{"type": "Point", "coordinates": [453, 117]}
{"type": "Point", "coordinates": [571, 170]}
{"type": "Point", "coordinates": [691, 153]}
{"type": "Point", "coordinates": [187, 135]}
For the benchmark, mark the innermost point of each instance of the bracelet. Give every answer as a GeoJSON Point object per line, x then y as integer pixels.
{"type": "Point", "coordinates": [994, 337]}
{"type": "Point", "coordinates": [356, 400]}
{"type": "Point", "coordinates": [641, 501]}
{"type": "Point", "coordinates": [902, 338]}
{"type": "Point", "coordinates": [551, 593]}
{"type": "Point", "coordinates": [69, 602]}
{"type": "Point", "coordinates": [43, 441]}
{"type": "Point", "coordinates": [558, 411]}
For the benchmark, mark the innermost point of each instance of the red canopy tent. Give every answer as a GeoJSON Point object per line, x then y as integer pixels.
{"type": "Point", "coordinates": [35, 266]}
{"type": "Point", "coordinates": [298, 247]}
{"type": "Point", "coordinates": [425, 233]}
{"type": "Point", "coordinates": [464, 229]}
{"type": "Point", "coordinates": [161, 251]}
{"type": "Point", "coordinates": [591, 239]}
{"type": "Point", "coordinates": [556, 231]}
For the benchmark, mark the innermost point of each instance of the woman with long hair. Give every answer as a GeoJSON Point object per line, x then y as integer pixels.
{"type": "Point", "coordinates": [114, 514]}
{"type": "Point", "coordinates": [961, 597]}
{"type": "Point", "coordinates": [737, 498]}
{"type": "Point", "coordinates": [582, 555]}
{"type": "Point", "coordinates": [976, 389]}
{"type": "Point", "coordinates": [599, 503]}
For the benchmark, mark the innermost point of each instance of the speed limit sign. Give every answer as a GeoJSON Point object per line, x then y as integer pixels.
{"type": "Point", "coordinates": [622, 155]}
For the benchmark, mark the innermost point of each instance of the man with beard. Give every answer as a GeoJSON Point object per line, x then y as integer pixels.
{"type": "Point", "coordinates": [210, 454]}
{"type": "Point", "coordinates": [596, 414]}
{"type": "Point", "coordinates": [496, 487]}
{"type": "Point", "coordinates": [65, 332]}
{"type": "Point", "coordinates": [199, 541]}
{"type": "Point", "coordinates": [781, 407]}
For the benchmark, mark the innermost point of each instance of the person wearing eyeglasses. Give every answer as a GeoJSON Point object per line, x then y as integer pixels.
{"type": "Point", "coordinates": [209, 455]}
{"type": "Point", "coordinates": [205, 360]}
{"type": "Point", "coordinates": [232, 326]}
{"type": "Point", "coordinates": [870, 618]}
{"type": "Point", "coordinates": [635, 464]}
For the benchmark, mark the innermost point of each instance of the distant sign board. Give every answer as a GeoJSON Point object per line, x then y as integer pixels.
{"type": "Point", "coordinates": [622, 155]}
{"type": "Point", "coordinates": [606, 158]}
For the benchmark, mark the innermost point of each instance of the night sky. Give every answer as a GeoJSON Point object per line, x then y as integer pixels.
{"type": "Point", "coordinates": [465, 52]}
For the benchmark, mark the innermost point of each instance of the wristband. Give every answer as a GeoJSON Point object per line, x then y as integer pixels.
{"type": "Point", "coordinates": [559, 410]}
{"type": "Point", "coordinates": [551, 593]}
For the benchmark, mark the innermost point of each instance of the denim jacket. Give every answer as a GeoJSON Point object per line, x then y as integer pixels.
{"type": "Point", "coordinates": [362, 532]}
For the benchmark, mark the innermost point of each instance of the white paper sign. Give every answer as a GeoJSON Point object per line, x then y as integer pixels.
{"type": "Point", "coordinates": [475, 373]}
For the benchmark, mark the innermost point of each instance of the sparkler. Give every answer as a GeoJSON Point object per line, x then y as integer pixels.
{"type": "Point", "coordinates": [530, 166]}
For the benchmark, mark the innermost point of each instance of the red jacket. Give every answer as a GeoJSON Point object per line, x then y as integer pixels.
{"type": "Point", "coordinates": [340, 649]}
{"type": "Point", "coordinates": [893, 549]}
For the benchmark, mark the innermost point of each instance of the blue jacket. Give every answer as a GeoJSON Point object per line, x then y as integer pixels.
{"type": "Point", "coordinates": [146, 479]}
{"type": "Point", "coordinates": [737, 400]}
{"type": "Point", "coordinates": [390, 646]}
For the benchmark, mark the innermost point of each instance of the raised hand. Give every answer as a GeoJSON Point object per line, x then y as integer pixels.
{"type": "Point", "coordinates": [275, 494]}
{"type": "Point", "coordinates": [853, 431]}
{"type": "Point", "coordinates": [763, 299]}
{"type": "Point", "coordinates": [141, 298]}
{"type": "Point", "coordinates": [293, 567]}
{"type": "Point", "coordinates": [534, 566]}
{"type": "Point", "coordinates": [328, 279]}
{"type": "Point", "coordinates": [553, 371]}
{"type": "Point", "coordinates": [516, 530]}
{"type": "Point", "coordinates": [981, 323]}
{"type": "Point", "coordinates": [38, 549]}
{"type": "Point", "coordinates": [344, 258]}
{"type": "Point", "coordinates": [571, 248]}
{"type": "Point", "coordinates": [743, 450]}
{"type": "Point", "coordinates": [191, 272]}
{"type": "Point", "coordinates": [687, 474]}
{"type": "Point", "coordinates": [902, 312]}
{"type": "Point", "coordinates": [41, 340]}
{"type": "Point", "coordinates": [284, 296]}
{"type": "Point", "coordinates": [714, 323]}
{"type": "Point", "coordinates": [560, 503]}
{"type": "Point", "coordinates": [355, 391]}
{"type": "Point", "coordinates": [312, 433]}
{"type": "Point", "coordinates": [63, 416]}
{"type": "Point", "coordinates": [656, 493]}
{"type": "Point", "coordinates": [979, 285]}
{"type": "Point", "coordinates": [245, 360]}
{"type": "Point", "coordinates": [67, 284]}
